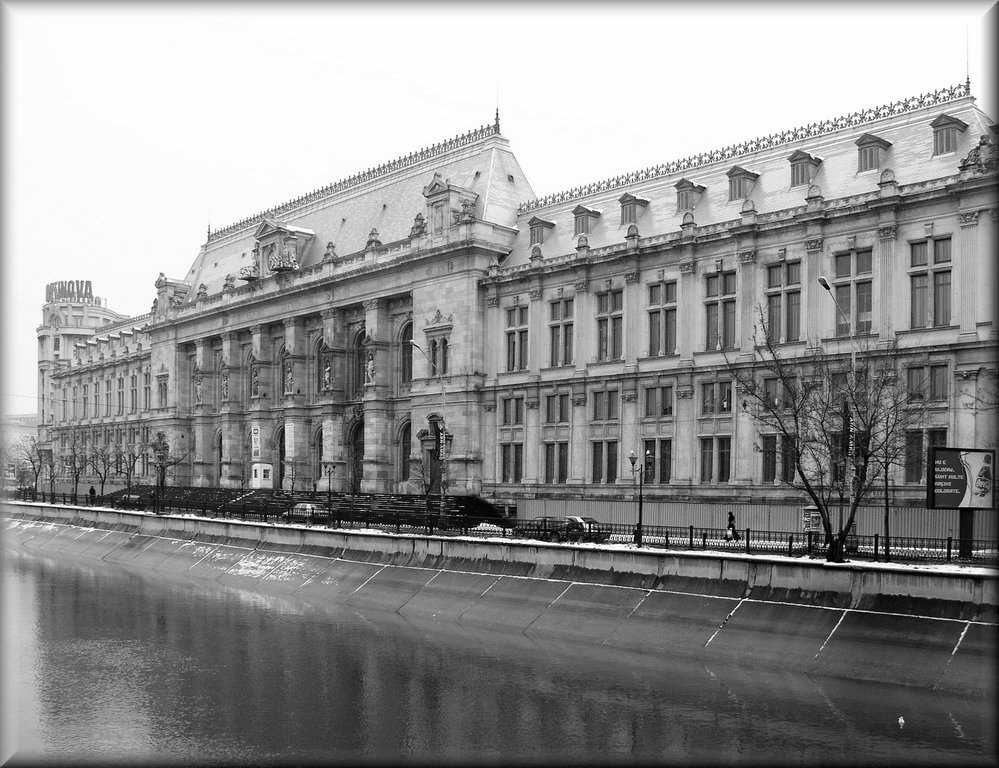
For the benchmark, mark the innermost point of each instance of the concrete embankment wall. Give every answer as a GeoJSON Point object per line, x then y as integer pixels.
{"type": "Point", "coordinates": [867, 621]}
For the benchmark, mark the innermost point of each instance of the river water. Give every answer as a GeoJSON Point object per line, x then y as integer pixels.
{"type": "Point", "coordinates": [107, 665]}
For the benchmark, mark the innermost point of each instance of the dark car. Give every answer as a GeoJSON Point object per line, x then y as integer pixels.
{"type": "Point", "coordinates": [543, 528]}
{"type": "Point", "coordinates": [586, 529]}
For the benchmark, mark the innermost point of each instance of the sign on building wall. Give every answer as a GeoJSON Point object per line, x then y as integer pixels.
{"type": "Point", "coordinates": [255, 442]}
{"type": "Point", "coordinates": [959, 478]}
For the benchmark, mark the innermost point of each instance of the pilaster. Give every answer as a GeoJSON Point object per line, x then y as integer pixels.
{"type": "Point", "coordinates": [885, 269]}
{"type": "Point", "coordinates": [968, 273]}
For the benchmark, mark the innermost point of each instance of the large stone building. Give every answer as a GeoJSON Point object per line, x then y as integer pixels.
{"type": "Point", "coordinates": [553, 335]}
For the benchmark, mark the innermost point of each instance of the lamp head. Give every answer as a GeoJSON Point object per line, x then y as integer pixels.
{"type": "Point", "coordinates": [824, 283]}
{"type": "Point", "coordinates": [632, 458]}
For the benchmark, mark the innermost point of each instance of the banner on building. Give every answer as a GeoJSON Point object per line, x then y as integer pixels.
{"type": "Point", "coordinates": [959, 478]}
{"type": "Point", "coordinates": [255, 442]}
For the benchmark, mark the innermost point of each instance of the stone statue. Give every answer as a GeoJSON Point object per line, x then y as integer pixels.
{"type": "Point", "coordinates": [327, 376]}
{"type": "Point", "coordinates": [254, 381]}
{"type": "Point", "coordinates": [225, 386]}
{"type": "Point", "coordinates": [370, 368]}
{"type": "Point", "coordinates": [197, 388]}
{"type": "Point", "coordinates": [289, 379]}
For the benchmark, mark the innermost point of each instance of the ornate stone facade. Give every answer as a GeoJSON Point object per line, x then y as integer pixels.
{"type": "Point", "coordinates": [350, 342]}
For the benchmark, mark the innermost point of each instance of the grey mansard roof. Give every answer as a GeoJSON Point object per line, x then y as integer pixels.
{"type": "Point", "coordinates": [386, 199]}
{"type": "Point", "coordinates": [906, 125]}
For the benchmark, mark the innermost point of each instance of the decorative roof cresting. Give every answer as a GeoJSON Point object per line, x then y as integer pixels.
{"type": "Point", "coordinates": [405, 161]}
{"type": "Point", "coordinates": [941, 96]}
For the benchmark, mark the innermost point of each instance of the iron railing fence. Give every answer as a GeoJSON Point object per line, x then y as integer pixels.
{"type": "Point", "coordinates": [351, 516]}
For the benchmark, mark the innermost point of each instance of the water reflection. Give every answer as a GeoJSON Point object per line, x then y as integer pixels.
{"type": "Point", "coordinates": [128, 666]}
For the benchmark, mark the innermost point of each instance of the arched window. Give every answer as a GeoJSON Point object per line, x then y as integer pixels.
{"type": "Point", "coordinates": [405, 448]}
{"type": "Point", "coordinates": [444, 351]}
{"type": "Point", "coordinates": [356, 384]}
{"type": "Point", "coordinates": [433, 358]}
{"type": "Point", "coordinates": [406, 354]}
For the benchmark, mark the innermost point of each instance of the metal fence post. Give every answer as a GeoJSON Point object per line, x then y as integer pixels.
{"type": "Point", "coordinates": [747, 540]}
{"type": "Point", "coordinates": [691, 537]}
{"type": "Point", "coordinates": [950, 542]}
{"type": "Point", "coordinates": [875, 546]}
{"type": "Point", "coordinates": [790, 545]}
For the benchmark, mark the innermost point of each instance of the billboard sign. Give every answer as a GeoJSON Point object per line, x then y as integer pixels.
{"type": "Point", "coordinates": [959, 478]}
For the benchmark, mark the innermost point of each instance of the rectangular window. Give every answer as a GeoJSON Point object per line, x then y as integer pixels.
{"type": "Point", "coordinates": [913, 456]}
{"type": "Point", "coordinates": [556, 462]}
{"type": "Point", "coordinates": [738, 187]}
{"type": "Point", "coordinates": [556, 408]}
{"type": "Point", "coordinates": [560, 321]}
{"type": "Point", "coordinates": [684, 200]}
{"type": "Point", "coordinates": [665, 460]}
{"type": "Point", "coordinates": [516, 339]}
{"type": "Point", "coordinates": [787, 459]}
{"type": "Point", "coordinates": [86, 395]}
{"type": "Point", "coordinates": [605, 405]}
{"type": "Point", "coordinates": [582, 225]}
{"type": "Point", "coordinates": [854, 298]}
{"type": "Point", "coordinates": [662, 319]}
{"type": "Point", "coordinates": [930, 307]}
{"type": "Point", "coordinates": [716, 398]}
{"type": "Point", "coordinates": [610, 325]}
{"type": "Point", "coordinates": [769, 448]}
{"type": "Point", "coordinates": [707, 459]}
{"type": "Point", "coordinates": [944, 140]}
{"type": "Point", "coordinates": [162, 387]}
{"type": "Point", "coordinates": [868, 158]}
{"type": "Point", "coordinates": [604, 465]}
{"type": "Point", "coordinates": [513, 461]}
{"type": "Point", "coordinates": [720, 311]}
{"type": "Point", "coordinates": [724, 458]}
{"type": "Point", "coordinates": [513, 411]}
{"type": "Point", "coordinates": [800, 174]}
{"type": "Point", "coordinates": [938, 382]}
{"type": "Point", "coordinates": [915, 384]}
{"type": "Point", "coordinates": [133, 394]}
{"type": "Point", "coordinates": [146, 392]}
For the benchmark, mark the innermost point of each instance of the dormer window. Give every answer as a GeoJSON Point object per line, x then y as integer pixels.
{"type": "Point", "coordinates": [688, 194]}
{"type": "Point", "coordinates": [538, 229]}
{"type": "Point", "coordinates": [740, 183]}
{"type": "Point", "coordinates": [584, 216]}
{"type": "Point", "coordinates": [869, 152]}
{"type": "Point", "coordinates": [631, 207]}
{"type": "Point", "coordinates": [947, 132]}
{"type": "Point", "coordinates": [803, 168]}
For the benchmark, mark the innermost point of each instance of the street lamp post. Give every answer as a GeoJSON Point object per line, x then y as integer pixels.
{"type": "Point", "coordinates": [641, 482]}
{"type": "Point", "coordinates": [442, 445]}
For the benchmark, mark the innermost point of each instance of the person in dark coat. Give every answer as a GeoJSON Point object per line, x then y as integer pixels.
{"type": "Point", "coordinates": [731, 532]}
{"type": "Point", "coordinates": [93, 495]}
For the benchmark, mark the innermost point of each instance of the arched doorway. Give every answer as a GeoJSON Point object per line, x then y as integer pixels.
{"type": "Point", "coordinates": [279, 466]}
{"type": "Point", "coordinates": [356, 464]}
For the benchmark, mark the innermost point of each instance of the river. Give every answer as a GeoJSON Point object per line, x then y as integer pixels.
{"type": "Point", "coordinates": [105, 665]}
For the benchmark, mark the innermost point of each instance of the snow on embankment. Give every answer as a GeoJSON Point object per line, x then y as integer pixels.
{"type": "Point", "coordinates": [932, 627]}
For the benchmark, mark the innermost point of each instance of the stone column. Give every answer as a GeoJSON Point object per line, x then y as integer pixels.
{"type": "Point", "coordinates": [579, 445]}
{"type": "Point", "coordinates": [377, 427]}
{"type": "Point", "coordinates": [811, 302]}
{"type": "Point", "coordinates": [633, 317]}
{"type": "Point", "coordinates": [230, 385]}
{"type": "Point", "coordinates": [685, 445]}
{"type": "Point", "coordinates": [584, 328]}
{"type": "Point", "coordinates": [885, 271]}
{"type": "Point", "coordinates": [964, 289]}
{"type": "Point", "coordinates": [532, 437]}
{"type": "Point", "coordinates": [748, 303]}
{"type": "Point", "coordinates": [690, 329]}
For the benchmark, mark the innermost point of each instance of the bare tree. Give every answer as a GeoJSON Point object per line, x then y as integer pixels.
{"type": "Point", "coordinates": [841, 419]}
{"type": "Point", "coordinates": [126, 458]}
{"type": "Point", "coordinates": [75, 457]}
{"type": "Point", "coordinates": [24, 453]}
{"type": "Point", "coordinates": [102, 461]}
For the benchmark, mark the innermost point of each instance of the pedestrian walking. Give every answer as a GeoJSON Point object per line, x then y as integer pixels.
{"type": "Point", "coordinates": [730, 532]}
{"type": "Point", "coordinates": [93, 496]}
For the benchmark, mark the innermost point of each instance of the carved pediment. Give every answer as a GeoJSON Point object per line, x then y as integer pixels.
{"type": "Point", "coordinates": [279, 247]}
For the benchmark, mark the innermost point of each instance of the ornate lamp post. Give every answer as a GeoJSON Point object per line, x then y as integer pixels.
{"type": "Point", "coordinates": [641, 482]}
{"type": "Point", "coordinates": [329, 492]}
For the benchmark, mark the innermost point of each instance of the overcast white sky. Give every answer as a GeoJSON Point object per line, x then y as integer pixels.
{"type": "Point", "coordinates": [127, 128]}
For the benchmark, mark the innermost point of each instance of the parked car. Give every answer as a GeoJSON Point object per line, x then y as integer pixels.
{"type": "Point", "coordinates": [543, 528]}
{"type": "Point", "coordinates": [586, 529]}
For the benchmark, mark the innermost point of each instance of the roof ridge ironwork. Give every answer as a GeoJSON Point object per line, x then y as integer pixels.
{"type": "Point", "coordinates": [461, 140]}
{"type": "Point", "coordinates": [862, 117]}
